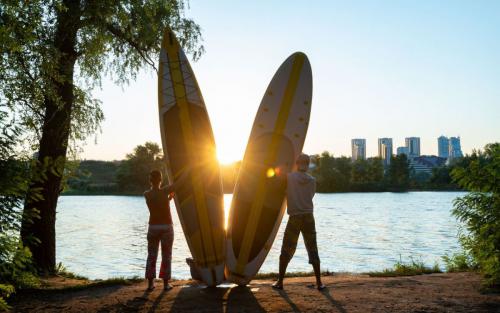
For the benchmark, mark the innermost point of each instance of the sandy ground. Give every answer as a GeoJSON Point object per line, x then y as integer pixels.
{"type": "Point", "coordinates": [458, 292]}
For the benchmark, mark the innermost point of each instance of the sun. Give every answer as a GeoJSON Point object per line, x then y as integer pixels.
{"type": "Point", "coordinates": [227, 154]}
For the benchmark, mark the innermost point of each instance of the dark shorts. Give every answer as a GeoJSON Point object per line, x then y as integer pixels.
{"type": "Point", "coordinates": [303, 223]}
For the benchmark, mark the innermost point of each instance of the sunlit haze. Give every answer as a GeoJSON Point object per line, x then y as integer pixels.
{"type": "Point", "coordinates": [380, 69]}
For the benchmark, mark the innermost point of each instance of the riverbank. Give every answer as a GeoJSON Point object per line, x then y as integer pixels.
{"type": "Point", "coordinates": [447, 292]}
{"type": "Point", "coordinates": [74, 192]}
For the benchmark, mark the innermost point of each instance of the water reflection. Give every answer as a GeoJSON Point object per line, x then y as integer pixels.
{"type": "Point", "coordinates": [105, 236]}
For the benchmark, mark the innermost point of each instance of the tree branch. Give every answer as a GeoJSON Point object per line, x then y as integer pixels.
{"type": "Point", "coordinates": [121, 35]}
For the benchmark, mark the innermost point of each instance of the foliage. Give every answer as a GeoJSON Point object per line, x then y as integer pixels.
{"type": "Point", "coordinates": [479, 210]}
{"type": "Point", "coordinates": [5, 292]}
{"type": "Point", "coordinates": [99, 177]}
{"type": "Point", "coordinates": [15, 259]}
{"type": "Point", "coordinates": [398, 173]}
{"type": "Point", "coordinates": [62, 271]}
{"type": "Point", "coordinates": [133, 172]}
{"type": "Point", "coordinates": [459, 262]}
{"type": "Point", "coordinates": [112, 38]}
{"type": "Point", "coordinates": [343, 175]}
{"type": "Point", "coordinates": [94, 177]}
{"type": "Point", "coordinates": [414, 267]}
{"type": "Point", "coordinates": [53, 54]}
{"type": "Point", "coordinates": [332, 173]}
{"type": "Point", "coordinates": [441, 177]}
{"type": "Point", "coordinates": [367, 175]}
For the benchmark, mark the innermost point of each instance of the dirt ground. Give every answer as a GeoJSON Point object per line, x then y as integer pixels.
{"type": "Point", "coordinates": [457, 292]}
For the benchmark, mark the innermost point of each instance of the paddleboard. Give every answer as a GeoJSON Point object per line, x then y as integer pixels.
{"type": "Point", "coordinates": [188, 142]}
{"type": "Point", "coordinates": [276, 140]}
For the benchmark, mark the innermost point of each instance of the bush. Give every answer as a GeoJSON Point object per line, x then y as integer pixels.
{"type": "Point", "coordinates": [5, 292]}
{"type": "Point", "coordinates": [479, 210]}
{"type": "Point", "coordinates": [459, 262]}
{"type": "Point", "coordinates": [16, 270]}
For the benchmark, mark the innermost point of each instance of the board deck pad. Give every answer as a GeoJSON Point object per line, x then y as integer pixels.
{"type": "Point", "coordinates": [276, 140]}
{"type": "Point", "coordinates": [188, 143]}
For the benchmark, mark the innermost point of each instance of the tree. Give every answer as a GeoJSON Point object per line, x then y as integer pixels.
{"type": "Point", "coordinates": [367, 175]}
{"type": "Point", "coordinates": [398, 174]}
{"type": "Point", "coordinates": [15, 259]}
{"type": "Point", "coordinates": [333, 174]}
{"type": "Point", "coordinates": [441, 178]}
{"type": "Point", "coordinates": [479, 210]}
{"type": "Point", "coordinates": [132, 176]}
{"type": "Point", "coordinates": [53, 53]}
{"type": "Point", "coordinates": [359, 171]}
{"type": "Point", "coordinates": [375, 170]}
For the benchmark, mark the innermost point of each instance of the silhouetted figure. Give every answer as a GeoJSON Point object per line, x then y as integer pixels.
{"type": "Point", "coordinates": [160, 230]}
{"type": "Point", "coordinates": [300, 191]}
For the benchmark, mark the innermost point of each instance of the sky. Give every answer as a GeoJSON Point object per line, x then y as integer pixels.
{"type": "Point", "coordinates": [380, 69]}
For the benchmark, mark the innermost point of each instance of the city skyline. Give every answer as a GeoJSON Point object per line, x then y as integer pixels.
{"type": "Point", "coordinates": [374, 66]}
{"type": "Point", "coordinates": [446, 146]}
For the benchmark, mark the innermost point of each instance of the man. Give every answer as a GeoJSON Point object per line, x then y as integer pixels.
{"type": "Point", "coordinates": [300, 191]}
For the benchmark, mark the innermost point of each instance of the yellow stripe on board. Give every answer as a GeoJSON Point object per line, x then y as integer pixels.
{"type": "Point", "coordinates": [187, 131]}
{"type": "Point", "coordinates": [257, 205]}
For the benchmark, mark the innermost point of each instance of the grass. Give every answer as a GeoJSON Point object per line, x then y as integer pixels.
{"type": "Point", "coordinates": [459, 262]}
{"type": "Point", "coordinates": [116, 281]}
{"type": "Point", "coordinates": [62, 271]}
{"type": "Point", "coordinates": [85, 282]}
{"type": "Point", "coordinates": [407, 269]}
{"type": "Point", "coordinates": [456, 263]}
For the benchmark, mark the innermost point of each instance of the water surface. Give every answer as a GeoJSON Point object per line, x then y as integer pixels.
{"type": "Point", "coordinates": [105, 236]}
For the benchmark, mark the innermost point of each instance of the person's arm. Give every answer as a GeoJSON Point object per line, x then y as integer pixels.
{"type": "Point", "coordinates": [147, 200]}
{"type": "Point", "coordinates": [169, 189]}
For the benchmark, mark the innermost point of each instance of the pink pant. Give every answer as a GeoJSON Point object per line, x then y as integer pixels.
{"type": "Point", "coordinates": [160, 235]}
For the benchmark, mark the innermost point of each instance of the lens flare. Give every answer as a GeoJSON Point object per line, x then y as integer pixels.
{"type": "Point", "coordinates": [270, 172]}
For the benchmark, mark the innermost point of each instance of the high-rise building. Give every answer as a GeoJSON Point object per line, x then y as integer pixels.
{"type": "Point", "coordinates": [385, 150]}
{"type": "Point", "coordinates": [443, 147]}
{"type": "Point", "coordinates": [402, 150]}
{"type": "Point", "coordinates": [454, 148]}
{"type": "Point", "coordinates": [358, 147]}
{"type": "Point", "coordinates": [413, 145]}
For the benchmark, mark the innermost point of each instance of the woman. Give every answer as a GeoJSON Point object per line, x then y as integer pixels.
{"type": "Point", "coordinates": [160, 228]}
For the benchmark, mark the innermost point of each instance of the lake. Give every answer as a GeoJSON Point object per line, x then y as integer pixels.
{"type": "Point", "coordinates": [105, 236]}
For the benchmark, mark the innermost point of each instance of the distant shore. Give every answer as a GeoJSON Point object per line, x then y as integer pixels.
{"type": "Point", "coordinates": [446, 292]}
{"type": "Point", "coordinates": [97, 193]}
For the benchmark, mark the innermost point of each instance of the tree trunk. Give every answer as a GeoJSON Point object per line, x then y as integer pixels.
{"type": "Point", "coordinates": [53, 144]}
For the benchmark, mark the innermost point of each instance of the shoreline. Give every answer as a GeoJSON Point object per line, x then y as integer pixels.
{"type": "Point", "coordinates": [73, 193]}
{"type": "Point", "coordinates": [443, 292]}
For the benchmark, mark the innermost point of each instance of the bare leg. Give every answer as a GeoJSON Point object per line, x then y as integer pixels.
{"type": "Point", "coordinates": [166, 285]}
{"type": "Point", "coordinates": [153, 241]}
{"type": "Point", "coordinates": [167, 241]}
{"type": "Point", "coordinates": [309, 234]}
{"type": "Point", "coordinates": [281, 275]}
{"type": "Point", "coordinates": [317, 273]}
{"type": "Point", "coordinates": [288, 247]}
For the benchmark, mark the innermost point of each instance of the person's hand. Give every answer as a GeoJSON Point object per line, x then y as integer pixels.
{"type": "Point", "coordinates": [170, 196]}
